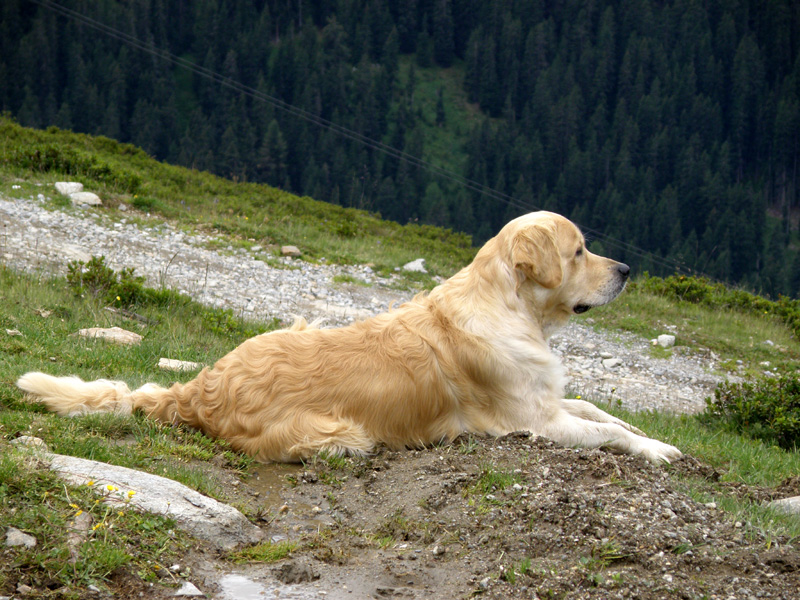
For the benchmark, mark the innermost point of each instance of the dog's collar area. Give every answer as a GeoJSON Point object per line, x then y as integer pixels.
{"type": "Point", "coordinates": [581, 308]}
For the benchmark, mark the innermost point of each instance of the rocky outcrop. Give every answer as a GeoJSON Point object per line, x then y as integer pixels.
{"type": "Point", "coordinates": [202, 517]}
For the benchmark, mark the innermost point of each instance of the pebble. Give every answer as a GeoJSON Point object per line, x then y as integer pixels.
{"type": "Point", "coordinates": [15, 537]}
{"type": "Point", "coordinates": [188, 589]}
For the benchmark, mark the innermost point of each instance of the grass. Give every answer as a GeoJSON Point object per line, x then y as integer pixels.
{"type": "Point", "coordinates": [46, 312]}
{"type": "Point", "coordinates": [38, 503]}
{"type": "Point", "coordinates": [731, 334]}
{"type": "Point", "coordinates": [266, 552]}
{"type": "Point", "coordinates": [243, 212]}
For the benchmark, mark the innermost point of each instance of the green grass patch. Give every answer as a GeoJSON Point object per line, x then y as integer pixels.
{"type": "Point", "coordinates": [35, 501]}
{"type": "Point", "coordinates": [735, 331]}
{"type": "Point", "coordinates": [267, 552]}
{"type": "Point", "coordinates": [255, 213]}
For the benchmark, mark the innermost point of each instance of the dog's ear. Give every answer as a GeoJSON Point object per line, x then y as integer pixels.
{"type": "Point", "coordinates": [534, 253]}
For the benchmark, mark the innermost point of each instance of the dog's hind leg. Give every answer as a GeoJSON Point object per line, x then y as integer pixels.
{"type": "Point", "coordinates": [588, 411]}
{"type": "Point", "coordinates": [305, 435]}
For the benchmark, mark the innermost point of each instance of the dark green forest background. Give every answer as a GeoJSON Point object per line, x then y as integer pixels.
{"type": "Point", "coordinates": [668, 126]}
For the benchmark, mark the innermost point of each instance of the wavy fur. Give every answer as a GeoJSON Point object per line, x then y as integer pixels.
{"type": "Point", "coordinates": [470, 356]}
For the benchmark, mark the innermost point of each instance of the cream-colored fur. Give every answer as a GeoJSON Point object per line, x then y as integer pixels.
{"type": "Point", "coordinates": [470, 356]}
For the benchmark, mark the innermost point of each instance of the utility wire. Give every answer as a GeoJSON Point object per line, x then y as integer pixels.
{"type": "Point", "coordinates": [350, 134]}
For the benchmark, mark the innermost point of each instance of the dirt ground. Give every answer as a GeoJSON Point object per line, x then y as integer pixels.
{"type": "Point", "coordinates": [511, 517]}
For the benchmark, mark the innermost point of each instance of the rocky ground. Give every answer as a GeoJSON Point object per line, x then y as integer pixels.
{"type": "Point", "coordinates": [512, 517]}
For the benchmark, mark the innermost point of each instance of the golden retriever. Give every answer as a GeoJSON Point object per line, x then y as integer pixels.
{"type": "Point", "coordinates": [469, 356]}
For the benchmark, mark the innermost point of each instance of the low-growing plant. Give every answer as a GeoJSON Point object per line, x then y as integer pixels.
{"type": "Point", "coordinates": [266, 552]}
{"type": "Point", "coordinates": [492, 479]}
{"type": "Point", "coordinates": [122, 288]}
{"type": "Point", "coordinates": [767, 409]}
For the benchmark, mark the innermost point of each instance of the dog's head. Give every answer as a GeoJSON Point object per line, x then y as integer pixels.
{"type": "Point", "coordinates": [554, 270]}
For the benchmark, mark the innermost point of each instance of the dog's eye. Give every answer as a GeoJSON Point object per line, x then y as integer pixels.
{"type": "Point", "coordinates": [579, 252]}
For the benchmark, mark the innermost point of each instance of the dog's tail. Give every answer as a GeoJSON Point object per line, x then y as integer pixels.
{"type": "Point", "coordinates": [69, 396]}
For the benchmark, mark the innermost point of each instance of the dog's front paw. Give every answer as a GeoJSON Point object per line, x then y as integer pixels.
{"type": "Point", "coordinates": [658, 452]}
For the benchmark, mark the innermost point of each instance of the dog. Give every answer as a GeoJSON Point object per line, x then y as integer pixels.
{"type": "Point", "coordinates": [469, 356]}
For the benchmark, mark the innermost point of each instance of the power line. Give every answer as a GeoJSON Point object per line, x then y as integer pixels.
{"type": "Point", "coordinates": [470, 184]}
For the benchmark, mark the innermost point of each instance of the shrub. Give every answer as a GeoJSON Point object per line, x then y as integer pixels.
{"type": "Point", "coordinates": [767, 409]}
{"type": "Point", "coordinates": [121, 289]}
{"type": "Point", "coordinates": [62, 158]}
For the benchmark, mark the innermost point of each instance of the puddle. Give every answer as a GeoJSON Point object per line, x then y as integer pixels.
{"type": "Point", "coordinates": [269, 480]}
{"type": "Point", "coordinates": [239, 587]}
{"type": "Point", "coordinates": [274, 491]}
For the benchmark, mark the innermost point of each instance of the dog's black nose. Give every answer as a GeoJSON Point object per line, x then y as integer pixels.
{"type": "Point", "coordinates": [624, 270]}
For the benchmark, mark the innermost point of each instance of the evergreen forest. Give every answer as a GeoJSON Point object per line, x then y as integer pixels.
{"type": "Point", "coordinates": [668, 129]}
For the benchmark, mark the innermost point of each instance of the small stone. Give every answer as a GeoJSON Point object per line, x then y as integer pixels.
{"type": "Point", "coordinates": [188, 589]}
{"type": "Point", "coordinates": [15, 537]}
{"type": "Point", "coordinates": [292, 251]}
{"type": "Point", "coordinates": [666, 341]}
{"type": "Point", "coordinates": [24, 589]}
{"type": "Point", "coordinates": [484, 583]}
{"type": "Point", "coordinates": [439, 550]}
{"type": "Point", "coordinates": [112, 334]}
{"type": "Point", "coordinates": [85, 198]}
{"type": "Point", "coordinates": [30, 441]}
{"type": "Point", "coordinates": [284, 509]}
{"type": "Point", "coordinates": [14, 332]}
{"type": "Point", "coordinates": [416, 266]}
{"type": "Point", "coordinates": [316, 510]}
{"type": "Point", "coordinates": [612, 363]}
{"type": "Point", "coordinates": [171, 364]}
{"type": "Point", "coordinates": [68, 187]}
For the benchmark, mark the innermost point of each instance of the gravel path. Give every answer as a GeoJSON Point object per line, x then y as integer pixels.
{"type": "Point", "coordinates": [256, 285]}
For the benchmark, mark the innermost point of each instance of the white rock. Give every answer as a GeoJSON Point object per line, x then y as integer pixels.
{"type": "Point", "coordinates": [201, 516]}
{"type": "Point", "coordinates": [171, 364]}
{"type": "Point", "coordinates": [68, 187]}
{"type": "Point", "coordinates": [30, 442]}
{"type": "Point", "coordinates": [112, 334]}
{"type": "Point", "coordinates": [612, 363]}
{"type": "Point", "coordinates": [188, 589]}
{"type": "Point", "coordinates": [15, 537]}
{"type": "Point", "coordinates": [666, 340]}
{"type": "Point", "coordinates": [292, 251]}
{"type": "Point", "coordinates": [789, 505]}
{"type": "Point", "coordinates": [85, 198]}
{"type": "Point", "coordinates": [416, 266]}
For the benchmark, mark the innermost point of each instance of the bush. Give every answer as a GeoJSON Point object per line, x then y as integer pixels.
{"type": "Point", "coordinates": [120, 289]}
{"type": "Point", "coordinates": [767, 409]}
{"type": "Point", "coordinates": [62, 158]}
